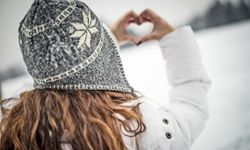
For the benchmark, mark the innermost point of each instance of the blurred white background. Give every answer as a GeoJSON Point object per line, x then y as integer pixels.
{"type": "Point", "coordinates": [225, 51]}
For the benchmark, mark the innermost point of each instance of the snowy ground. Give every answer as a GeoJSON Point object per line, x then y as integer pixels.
{"type": "Point", "coordinates": [226, 53]}
{"type": "Point", "coordinates": [226, 56]}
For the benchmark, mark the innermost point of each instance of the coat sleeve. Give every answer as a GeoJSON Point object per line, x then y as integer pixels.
{"type": "Point", "coordinates": [188, 102]}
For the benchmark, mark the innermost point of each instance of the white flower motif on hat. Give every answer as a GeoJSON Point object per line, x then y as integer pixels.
{"type": "Point", "coordinates": [85, 30]}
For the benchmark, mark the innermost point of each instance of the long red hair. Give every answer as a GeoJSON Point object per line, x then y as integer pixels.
{"type": "Point", "coordinates": [45, 119]}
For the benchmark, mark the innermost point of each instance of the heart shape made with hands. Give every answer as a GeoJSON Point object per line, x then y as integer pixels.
{"type": "Point", "coordinates": [139, 26]}
{"type": "Point", "coordinates": [137, 29]}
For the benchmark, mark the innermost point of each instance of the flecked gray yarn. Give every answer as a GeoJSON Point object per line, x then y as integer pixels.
{"type": "Point", "coordinates": [65, 47]}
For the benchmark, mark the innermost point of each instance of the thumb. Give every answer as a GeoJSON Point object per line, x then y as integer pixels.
{"type": "Point", "coordinates": [132, 39]}
{"type": "Point", "coordinates": [147, 38]}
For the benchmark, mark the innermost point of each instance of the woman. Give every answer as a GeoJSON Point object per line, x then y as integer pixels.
{"type": "Point", "coordinates": [81, 98]}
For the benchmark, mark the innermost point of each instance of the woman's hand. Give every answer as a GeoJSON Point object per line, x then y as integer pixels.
{"type": "Point", "coordinates": [161, 27]}
{"type": "Point", "coordinates": [119, 28]}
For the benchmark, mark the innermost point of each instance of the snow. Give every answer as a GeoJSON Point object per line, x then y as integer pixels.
{"type": "Point", "coordinates": [226, 53]}
{"type": "Point", "coordinates": [226, 56]}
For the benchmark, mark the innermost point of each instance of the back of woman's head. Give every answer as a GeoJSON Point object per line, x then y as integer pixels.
{"type": "Point", "coordinates": [73, 60]}
{"type": "Point", "coordinates": [84, 120]}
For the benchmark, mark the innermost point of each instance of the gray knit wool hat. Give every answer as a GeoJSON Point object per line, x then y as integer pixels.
{"type": "Point", "coordinates": [65, 47]}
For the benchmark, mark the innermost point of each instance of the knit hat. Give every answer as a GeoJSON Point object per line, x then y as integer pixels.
{"type": "Point", "coordinates": [65, 47]}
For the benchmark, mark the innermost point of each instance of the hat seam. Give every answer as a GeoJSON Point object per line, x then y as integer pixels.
{"type": "Point", "coordinates": [83, 87]}
{"type": "Point", "coordinates": [111, 38]}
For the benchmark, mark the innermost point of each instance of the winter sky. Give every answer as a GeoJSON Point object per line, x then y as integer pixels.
{"type": "Point", "coordinates": [176, 11]}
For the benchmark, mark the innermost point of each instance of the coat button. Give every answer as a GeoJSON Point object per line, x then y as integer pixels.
{"type": "Point", "coordinates": [165, 121]}
{"type": "Point", "coordinates": [168, 135]}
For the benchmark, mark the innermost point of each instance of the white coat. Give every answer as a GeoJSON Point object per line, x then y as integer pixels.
{"type": "Point", "coordinates": [176, 126]}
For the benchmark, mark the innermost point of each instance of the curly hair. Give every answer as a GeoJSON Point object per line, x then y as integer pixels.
{"type": "Point", "coordinates": [85, 120]}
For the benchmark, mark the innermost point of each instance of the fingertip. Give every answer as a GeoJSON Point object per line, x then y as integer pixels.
{"type": "Point", "coordinates": [131, 20]}
{"type": "Point", "coordinates": [145, 10]}
{"type": "Point", "coordinates": [140, 20]}
{"type": "Point", "coordinates": [139, 43]}
{"type": "Point", "coordinates": [133, 13]}
{"type": "Point", "coordinates": [130, 11]}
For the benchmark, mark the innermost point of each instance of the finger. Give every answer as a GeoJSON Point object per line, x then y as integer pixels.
{"type": "Point", "coordinates": [144, 17]}
{"type": "Point", "coordinates": [132, 20]}
{"type": "Point", "coordinates": [131, 15]}
{"type": "Point", "coordinates": [148, 15]}
{"type": "Point", "coordinates": [128, 17]}
{"type": "Point", "coordinates": [149, 12]}
{"type": "Point", "coordinates": [147, 38]}
{"type": "Point", "coordinates": [132, 39]}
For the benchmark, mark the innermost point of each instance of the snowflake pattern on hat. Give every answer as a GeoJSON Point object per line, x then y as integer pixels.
{"type": "Point", "coordinates": [85, 30]}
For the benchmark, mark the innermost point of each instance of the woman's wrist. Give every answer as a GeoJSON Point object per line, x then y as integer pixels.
{"type": "Point", "coordinates": [166, 29]}
{"type": "Point", "coordinates": [115, 34]}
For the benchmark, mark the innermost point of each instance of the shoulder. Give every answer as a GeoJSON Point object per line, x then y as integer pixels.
{"type": "Point", "coordinates": [162, 130]}
{"type": "Point", "coordinates": [158, 126]}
